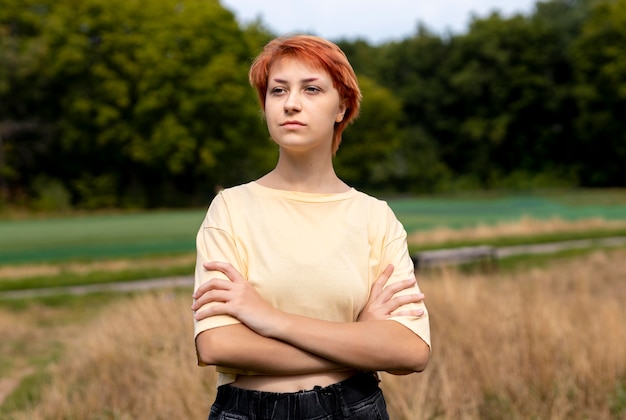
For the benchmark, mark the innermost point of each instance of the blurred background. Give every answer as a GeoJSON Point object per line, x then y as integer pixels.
{"type": "Point", "coordinates": [483, 124]}
{"type": "Point", "coordinates": [127, 104]}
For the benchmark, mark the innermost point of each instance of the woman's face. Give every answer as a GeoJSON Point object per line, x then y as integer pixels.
{"type": "Point", "coordinates": [301, 106]}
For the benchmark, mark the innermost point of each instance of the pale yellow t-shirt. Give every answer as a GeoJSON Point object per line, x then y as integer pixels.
{"type": "Point", "coordinates": [310, 254]}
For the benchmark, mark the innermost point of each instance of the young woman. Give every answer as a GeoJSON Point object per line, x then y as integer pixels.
{"type": "Point", "coordinates": [304, 286]}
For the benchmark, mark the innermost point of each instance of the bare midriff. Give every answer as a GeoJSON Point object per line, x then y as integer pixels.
{"type": "Point", "coordinates": [292, 383]}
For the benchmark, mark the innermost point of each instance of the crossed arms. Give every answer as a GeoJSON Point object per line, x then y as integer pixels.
{"type": "Point", "coordinates": [269, 341]}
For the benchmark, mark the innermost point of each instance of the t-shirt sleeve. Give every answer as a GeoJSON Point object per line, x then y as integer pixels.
{"type": "Point", "coordinates": [395, 251]}
{"type": "Point", "coordinates": [215, 242]}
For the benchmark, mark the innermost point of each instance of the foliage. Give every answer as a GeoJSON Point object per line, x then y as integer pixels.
{"type": "Point", "coordinates": [600, 69]}
{"type": "Point", "coordinates": [24, 99]}
{"type": "Point", "coordinates": [618, 401]}
{"type": "Point", "coordinates": [124, 103]}
{"type": "Point", "coordinates": [365, 157]}
{"type": "Point", "coordinates": [150, 94]}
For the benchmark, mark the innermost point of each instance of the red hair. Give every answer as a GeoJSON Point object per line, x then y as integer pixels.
{"type": "Point", "coordinates": [318, 53]}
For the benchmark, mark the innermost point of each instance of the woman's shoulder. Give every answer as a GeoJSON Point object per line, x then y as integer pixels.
{"type": "Point", "coordinates": [381, 217]}
{"type": "Point", "coordinates": [236, 189]}
{"type": "Point", "coordinates": [236, 192]}
{"type": "Point", "coordinates": [372, 201]}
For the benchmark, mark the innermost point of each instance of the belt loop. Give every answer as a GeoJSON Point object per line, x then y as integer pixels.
{"type": "Point", "coordinates": [339, 395]}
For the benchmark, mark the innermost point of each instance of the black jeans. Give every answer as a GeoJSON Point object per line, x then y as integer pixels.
{"type": "Point", "coordinates": [358, 397]}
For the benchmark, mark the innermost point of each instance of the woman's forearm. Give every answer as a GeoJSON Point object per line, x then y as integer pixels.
{"type": "Point", "coordinates": [376, 345]}
{"type": "Point", "coordinates": [237, 346]}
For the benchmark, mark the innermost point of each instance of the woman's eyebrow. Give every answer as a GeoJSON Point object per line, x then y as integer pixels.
{"type": "Point", "coordinates": [307, 80]}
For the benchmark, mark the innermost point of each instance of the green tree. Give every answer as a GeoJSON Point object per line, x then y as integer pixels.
{"type": "Point", "coordinates": [365, 157]}
{"type": "Point", "coordinates": [150, 96]}
{"type": "Point", "coordinates": [25, 132]}
{"type": "Point", "coordinates": [410, 69]}
{"type": "Point", "coordinates": [509, 96]}
{"type": "Point", "coordinates": [158, 88]}
{"type": "Point", "coordinates": [493, 103]}
{"type": "Point", "coordinates": [362, 56]}
{"type": "Point", "coordinates": [600, 67]}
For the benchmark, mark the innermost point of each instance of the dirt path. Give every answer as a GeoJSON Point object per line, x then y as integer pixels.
{"type": "Point", "coordinates": [490, 255]}
{"type": "Point", "coordinates": [560, 246]}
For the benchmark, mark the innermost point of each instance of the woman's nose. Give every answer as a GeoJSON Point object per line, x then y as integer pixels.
{"type": "Point", "coordinates": [292, 103]}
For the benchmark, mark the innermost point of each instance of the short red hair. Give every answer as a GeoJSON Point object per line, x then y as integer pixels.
{"type": "Point", "coordinates": [318, 53]}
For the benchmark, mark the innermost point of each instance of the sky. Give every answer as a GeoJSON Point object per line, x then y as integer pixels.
{"type": "Point", "coordinates": [376, 21]}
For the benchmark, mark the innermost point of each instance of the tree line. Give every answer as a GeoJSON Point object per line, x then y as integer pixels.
{"type": "Point", "coordinates": [141, 104]}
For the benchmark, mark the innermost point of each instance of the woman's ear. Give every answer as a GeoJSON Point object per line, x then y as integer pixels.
{"type": "Point", "coordinates": [342, 112]}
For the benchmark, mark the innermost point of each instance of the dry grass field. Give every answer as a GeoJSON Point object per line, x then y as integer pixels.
{"type": "Point", "coordinates": [13, 272]}
{"type": "Point", "coordinates": [542, 343]}
{"type": "Point", "coordinates": [525, 227]}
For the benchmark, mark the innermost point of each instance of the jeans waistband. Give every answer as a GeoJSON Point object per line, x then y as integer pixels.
{"type": "Point", "coordinates": [352, 390]}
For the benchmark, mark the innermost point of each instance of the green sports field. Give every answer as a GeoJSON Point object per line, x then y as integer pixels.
{"type": "Point", "coordinates": [171, 232]}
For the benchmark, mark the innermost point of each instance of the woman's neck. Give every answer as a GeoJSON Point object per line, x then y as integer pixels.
{"type": "Point", "coordinates": [304, 175]}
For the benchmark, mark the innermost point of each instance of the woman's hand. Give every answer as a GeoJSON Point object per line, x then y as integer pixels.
{"type": "Point", "coordinates": [239, 299]}
{"type": "Point", "coordinates": [382, 303]}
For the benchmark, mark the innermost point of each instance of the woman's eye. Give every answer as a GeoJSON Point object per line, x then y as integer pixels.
{"type": "Point", "coordinates": [277, 91]}
{"type": "Point", "coordinates": [312, 89]}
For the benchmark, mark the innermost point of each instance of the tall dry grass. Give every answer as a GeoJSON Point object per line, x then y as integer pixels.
{"type": "Point", "coordinates": [545, 343]}
{"type": "Point", "coordinates": [135, 361]}
{"type": "Point", "coordinates": [524, 227]}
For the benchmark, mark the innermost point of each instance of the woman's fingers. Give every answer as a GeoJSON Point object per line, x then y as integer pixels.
{"type": "Point", "coordinates": [213, 309]}
{"type": "Point", "coordinates": [398, 301]}
{"type": "Point", "coordinates": [387, 293]}
{"type": "Point", "coordinates": [215, 290]}
{"type": "Point", "coordinates": [414, 312]}
{"type": "Point", "coordinates": [226, 268]}
{"type": "Point", "coordinates": [210, 285]}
